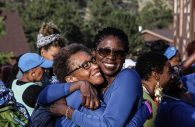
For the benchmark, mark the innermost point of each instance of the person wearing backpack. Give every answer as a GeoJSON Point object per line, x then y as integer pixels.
{"type": "Point", "coordinates": [12, 113]}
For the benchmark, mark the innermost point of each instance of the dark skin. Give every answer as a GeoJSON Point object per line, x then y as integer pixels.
{"type": "Point", "coordinates": [32, 75]}
{"type": "Point", "coordinates": [109, 65]}
{"type": "Point", "coordinates": [50, 53]}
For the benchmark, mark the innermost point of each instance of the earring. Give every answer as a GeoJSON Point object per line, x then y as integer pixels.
{"type": "Point", "coordinates": [158, 92]}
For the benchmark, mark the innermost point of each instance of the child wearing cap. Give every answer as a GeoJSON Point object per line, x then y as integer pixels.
{"type": "Point", "coordinates": [31, 65]}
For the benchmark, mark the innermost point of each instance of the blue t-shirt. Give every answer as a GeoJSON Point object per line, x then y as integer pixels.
{"type": "Point", "coordinates": [119, 106]}
{"type": "Point", "coordinates": [174, 112]}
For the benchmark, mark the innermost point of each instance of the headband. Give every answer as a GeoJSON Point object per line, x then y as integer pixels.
{"type": "Point", "coordinates": [45, 40]}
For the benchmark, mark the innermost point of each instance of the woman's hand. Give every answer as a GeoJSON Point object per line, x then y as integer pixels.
{"type": "Point", "coordinates": [89, 95]}
{"type": "Point", "coordinates": [59, 108]}
{"type": "Point", "coordinates": [88, 92]}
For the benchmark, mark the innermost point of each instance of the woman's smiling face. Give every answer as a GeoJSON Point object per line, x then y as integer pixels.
{"type": "Point", "coordinates": [85, 68]}
{"type": "Point", "coordinates": [110, 55]}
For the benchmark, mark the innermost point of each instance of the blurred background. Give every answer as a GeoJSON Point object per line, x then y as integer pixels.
{"type": "Point", "coordinates": [79, 20]}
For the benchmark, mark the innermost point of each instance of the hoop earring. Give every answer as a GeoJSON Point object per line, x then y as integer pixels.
{"type": "Point", "coordinates": [158, 92]}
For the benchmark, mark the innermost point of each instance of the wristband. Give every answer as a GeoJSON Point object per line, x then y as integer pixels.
{"type": "Point", "coordinates": [148, 106]}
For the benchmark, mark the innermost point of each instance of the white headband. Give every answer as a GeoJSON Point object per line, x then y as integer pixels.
{"type": "Point", "coordinates": [44, 40]}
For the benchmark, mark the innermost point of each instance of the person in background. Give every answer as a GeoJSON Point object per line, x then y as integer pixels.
{"type": "Point", "coordinates": [31, 65]}
{"type": "Point", "coordinates": [154, 70]}
{"type": "Point", "coordinates": [49, 42]}
{"type": "Point", "coordinates": [167, 50]}
{"type": "Point", "coordinates": [180, 68]}
{"type": "Point", "coordinates": [177, 107]}
{"type": "Point", "coordinates": [189, 80]}
{"type": "Point", "coordinates": [174, 112]}
{"type": "Point", "coordinates": [173, 56]}
{"type": "Point", "coordinates": [12, 113]}
{"type": "Point", "coordinates": [111, 48]}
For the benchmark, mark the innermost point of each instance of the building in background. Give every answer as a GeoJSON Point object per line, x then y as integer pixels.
{"type": "Point", "coordinates": [184, 24]}
{"type": "Point", "coordinates": [158, 34]}
{"type": "Point", "coordinates": [14, 39]}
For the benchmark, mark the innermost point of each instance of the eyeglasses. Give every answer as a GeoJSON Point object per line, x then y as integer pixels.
{"type": "Point", "coordinates": [106, 52]}
{"type": "Point", "coordinates": [86, 65]}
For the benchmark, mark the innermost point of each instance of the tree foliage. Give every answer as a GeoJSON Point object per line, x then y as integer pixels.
{"type": "Point", "coordinates": [5, 57]}
{"type": "Point", "coordinates": [2, 27]}
{"type": "Point", "coordinates": [156, 14]}
{"type": "Point", "coordinates": [79, 20]}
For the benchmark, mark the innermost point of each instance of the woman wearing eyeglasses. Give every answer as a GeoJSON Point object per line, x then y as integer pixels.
{"type": "Point", "coordinates": [121, 91]}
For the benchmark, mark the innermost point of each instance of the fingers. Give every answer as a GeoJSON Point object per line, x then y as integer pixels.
{"type": "Point", "coordinates": [89, 96]}
{"type": "Point", "coordinates": [87, 102]}
{"type": "Point", "coordinates": [95, 99]}
{"type": "Point", "coordinates": [97, 103]}
{"type": "Point", "coordinates": [83, 100]}
{"type": "Point", "coordinates": [92, 103]}
{"type": "Point", "coordinates": [58, 107]}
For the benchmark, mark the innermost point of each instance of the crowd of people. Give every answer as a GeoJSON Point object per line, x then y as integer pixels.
{"type": "Point", "coordinates": [72, 85]}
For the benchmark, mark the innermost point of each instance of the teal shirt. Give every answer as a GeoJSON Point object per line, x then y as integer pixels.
{"type": "Point", "coordinates": [18, 90]}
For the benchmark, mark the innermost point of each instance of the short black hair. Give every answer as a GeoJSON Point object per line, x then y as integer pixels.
{"type": "Point", "coordinates": [61, 66]}
{"type": "Point", "coordinates": [159, 46]}
{"type": "Point", "coordinates": [148, 62]}
{"type": "Point", "coordinates": [116, 33]}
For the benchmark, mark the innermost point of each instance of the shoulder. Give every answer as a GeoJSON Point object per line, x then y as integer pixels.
{"type": "Point", "coordinates": [128, 79]}
{"type": "Point", "coordinates": [128, 73]}
{"type": "Point", "coordinates": [176, 105]}
{"type": "Point", "coordinates": [128, 70]}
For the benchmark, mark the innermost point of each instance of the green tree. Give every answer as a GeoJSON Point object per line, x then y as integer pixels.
{"type": "Point", "coordinates": [33, 13]}
{"type": "Point", "coordinates": [5, 57]}
{"type": "Point", "coordinates": [156, 14]}
{"type": "Point", "coordinates": [79, 20]}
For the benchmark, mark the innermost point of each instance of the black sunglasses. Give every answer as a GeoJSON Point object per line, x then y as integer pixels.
{"type": "Point", "coordinates": [106, 52]}
{"type": "Point", "coordinates": [86, 65]}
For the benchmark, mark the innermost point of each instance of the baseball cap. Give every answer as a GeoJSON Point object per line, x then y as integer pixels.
{"type": "Point", "coordinates": [170, 52]}
{"type": "Point", "coordinates": [32, 60]}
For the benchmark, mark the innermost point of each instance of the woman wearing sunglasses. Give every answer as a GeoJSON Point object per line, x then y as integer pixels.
{"type": "Point", "coordinates": [121, 91]}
